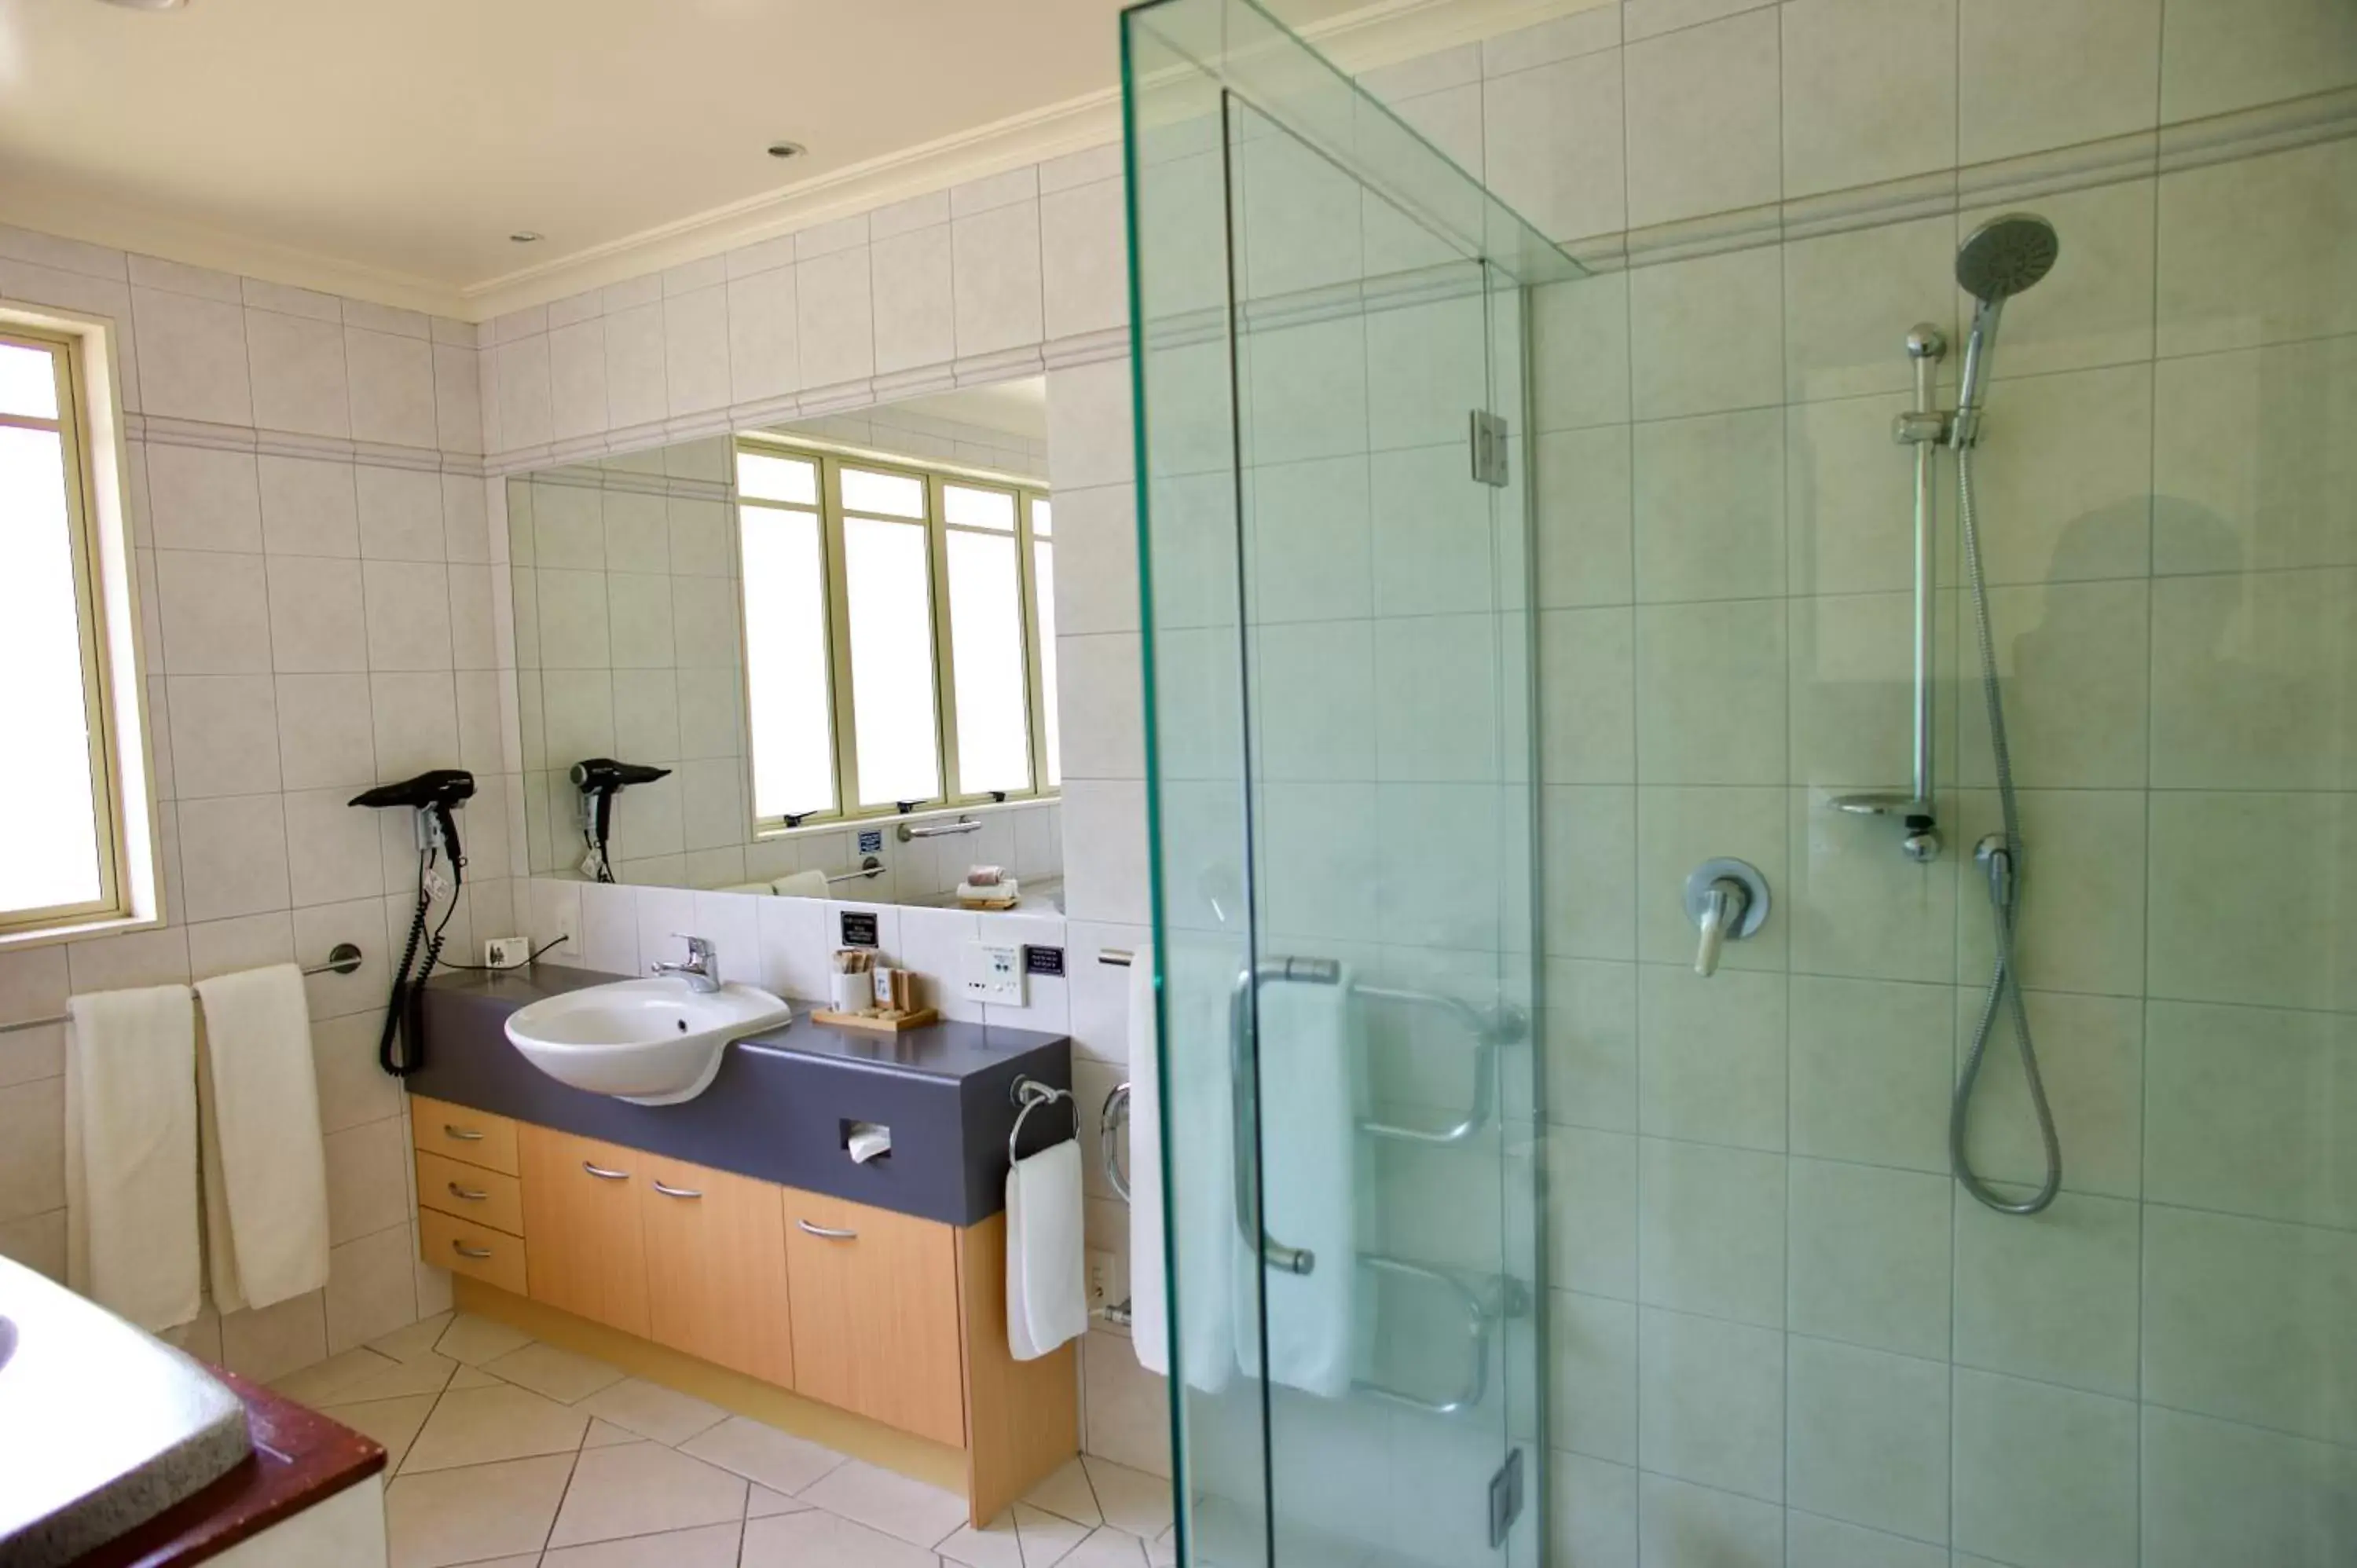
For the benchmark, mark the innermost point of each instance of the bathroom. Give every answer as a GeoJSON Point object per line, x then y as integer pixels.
{"type": "Point", "coordinates": [1448, 769]}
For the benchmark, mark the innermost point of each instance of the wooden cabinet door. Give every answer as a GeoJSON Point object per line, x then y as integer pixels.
{"type": "Point", "coordinates": [716, 1267]}
{"type": "Point", "coordinates": [581, 1209]}
{"type": "Point", "coordinates": [875, 1299]}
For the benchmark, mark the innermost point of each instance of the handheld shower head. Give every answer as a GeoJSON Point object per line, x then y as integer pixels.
{"type": "Point", "coordinates": [1998, 260]}
{"type": "Point", "coordinates": [2006, 255]}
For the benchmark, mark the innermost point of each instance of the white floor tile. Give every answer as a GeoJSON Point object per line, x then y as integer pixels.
{"type": "Point", "coordinates": [560, 1374]}
{"type": "Point", "coordinates": [644, 1488]}
{"type": "Point", "coordinates": [652, 1410]}
{"type": "Point", "coordinates": [1068, 1492]}
{"type": "Point", "coordinates": [764, 1503]}
{"type": "Point", "coordinates": [393, 1423]}
{"type": "Point", "coordinates": [479, 1426]}
{"type": "Point", "coordinates": [815, 1537]}
{"type": "Point", "coordinates": [466, 1516]}
{"type": "Point", "coordinates": [713, 1546]}
{"type": "Point", "coordinates": [912, 1511]}
{"type": "Point", "coordinates": [475, 1340]}
{"type": "Point", "coordinates": [778, 1460]}
{"type": "Point", "coordinates": [1132, 1500]}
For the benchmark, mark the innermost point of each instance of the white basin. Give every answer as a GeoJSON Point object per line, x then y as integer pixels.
{"type": "Point", "coordinates": [651, 1042]}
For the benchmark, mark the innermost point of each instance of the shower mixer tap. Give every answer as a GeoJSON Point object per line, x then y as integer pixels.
{"type": "Point", "coordinates": [1728, 901]}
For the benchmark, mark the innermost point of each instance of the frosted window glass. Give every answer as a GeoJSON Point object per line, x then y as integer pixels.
{"type": "Point", "coordinates": [994, 736]}
{"type": "Point", "coordinates": [786, 687]}
{"type": "Point", "coordinates": [888, 585]}
{"type": "Point", "coordinates": [1042, 518]}
{"type": "Point", "coordinates": [970, 507]}
{"type": "Point", "coordinates": [1043, 594]}
{"type": "Point", "coordinates": [28, 381]}
{"type": "Point", "coordinates": [771, 478]}
{"type": "Point", "coordinates": [48, 824]}
{"type": "Point", "coordinates": [887, 494]}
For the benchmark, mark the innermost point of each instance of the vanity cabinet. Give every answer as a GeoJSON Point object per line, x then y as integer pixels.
{"type": "Point", "coordinates": [716, 1281]}
{"type": "Point", "coordinates": [587, 1251]}
{"type": "Point", "coordinates": [875, 1313]}
{"type": "Point", "coordinates": [731, 1245]}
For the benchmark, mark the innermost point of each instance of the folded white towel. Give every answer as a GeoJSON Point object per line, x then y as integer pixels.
{"type": "Point", "coordinates": [800, 884]}
{"type": "Point", "coordinates": [1047, 1278]}
{"type": "Point", "coordinates": [266, 1162]}
{"type": "Point", "coordinates": [1310, 1091]}
{"type": "Point", "coordinates": [131, 1153]}
{"type": "Point", "coordinates": [1200, 1210]}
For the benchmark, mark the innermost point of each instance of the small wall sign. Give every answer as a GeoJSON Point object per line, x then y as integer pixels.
{"type": "Point", "coordinates": [859, 929]}
{"type": "Point", "coordinates": [871, 841]}
{"type": "Point", "coordinates": [1043, 961]}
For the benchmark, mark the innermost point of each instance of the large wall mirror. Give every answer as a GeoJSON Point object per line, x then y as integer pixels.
{"type": "Point", "coordinates": [820, 656]}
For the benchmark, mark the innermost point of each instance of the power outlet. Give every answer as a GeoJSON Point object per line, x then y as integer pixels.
{"type": "Point", "coordinates": [1100, 1283]}
{"type": "Point", "coordinates": [993, 972]}
{"type": "Point", "coordinates": [506, 952]}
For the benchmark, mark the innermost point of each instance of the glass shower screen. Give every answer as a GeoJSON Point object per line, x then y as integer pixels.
{"type": "Point", "coordinates": [1334, 534]}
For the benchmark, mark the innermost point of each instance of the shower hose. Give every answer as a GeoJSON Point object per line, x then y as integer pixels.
{"type": "Point", "coordinates": [2000, 857]}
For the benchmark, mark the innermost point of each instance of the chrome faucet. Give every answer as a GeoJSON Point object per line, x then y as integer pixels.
{"type": "Point", "coordinates": [701, 970]}
{"type": "Point", "coordinates": [1727, 900]}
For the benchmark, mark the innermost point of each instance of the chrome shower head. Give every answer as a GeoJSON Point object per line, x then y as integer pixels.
{"type": "Point", "coordinates": [1996, 260]}
{"type": "Point", "coordinates": [2006, 255]}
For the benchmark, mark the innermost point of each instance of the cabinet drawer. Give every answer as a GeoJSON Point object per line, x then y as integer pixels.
{"type": "Point", "coordinates": [875, 1314]}
{"type": "Point", "coordinates": [470, 1192]}
{"type": "Point", "coordinates": [477, 1251]}
{"type": "Point", "coordinates": [477, 1137]}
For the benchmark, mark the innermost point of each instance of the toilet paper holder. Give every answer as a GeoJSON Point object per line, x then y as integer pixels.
{"type": "Point", "coordinates": [1029, 1094]}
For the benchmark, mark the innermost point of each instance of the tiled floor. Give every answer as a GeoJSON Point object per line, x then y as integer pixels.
{"type": "Point", "coordinates": [508, 1453]}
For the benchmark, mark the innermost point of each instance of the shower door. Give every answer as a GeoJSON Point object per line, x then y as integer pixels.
{"type": "Point", "coordinates": [1336, 551]}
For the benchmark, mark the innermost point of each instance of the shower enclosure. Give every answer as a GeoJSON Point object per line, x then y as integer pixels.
{"type": "Point", "coordinates": [1489, 598]}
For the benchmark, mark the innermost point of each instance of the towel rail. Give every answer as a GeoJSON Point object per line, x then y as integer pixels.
{"type": "Point", "coordinates": [868, 868]}
{"type": "Point", "coordinates": [1119, 958]}
{"type": "Point", "coordinates": [342, 959]}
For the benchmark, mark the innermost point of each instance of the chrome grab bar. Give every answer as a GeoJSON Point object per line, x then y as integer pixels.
{"type": "Point", "coordinates": [939, 829]}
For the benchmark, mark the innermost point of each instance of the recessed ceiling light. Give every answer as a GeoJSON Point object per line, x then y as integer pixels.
{"type": "Point", "coordinates": [786, 149]}
{"type": "Point", "coordinates": [525, 237]}
{"type": "Point", "coordinates": [148, 4]}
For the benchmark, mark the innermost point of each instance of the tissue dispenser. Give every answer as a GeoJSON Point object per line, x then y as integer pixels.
{"type": "Point", "coordinates": [868, 1141]}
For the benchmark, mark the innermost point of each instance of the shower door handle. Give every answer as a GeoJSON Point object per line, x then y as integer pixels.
{"type": "Point", "coordinates": [1243, 1094]}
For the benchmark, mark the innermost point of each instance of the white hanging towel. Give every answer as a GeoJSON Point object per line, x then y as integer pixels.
{"type": "Point", "coordinates": [131, 1153]}
{"type": "Point", "coordinates": [1199, 1209]}
{"type": "Point", "coordinates": [1047, 1278]}
{"type": "Point", "coordinates": [266, 1162]}
{"type": "Point", "coordinates": [1309, 1098]}
{"type": "Point", "coordinates": [800, 884]}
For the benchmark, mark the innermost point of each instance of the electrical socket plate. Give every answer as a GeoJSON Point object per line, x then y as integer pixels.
{"type": "Point", "coordinates": [1100, 1278]}
{"type": "Point", "coordinates": [993, 972]}
{"type": "Point", "coordinates": [506, 952]}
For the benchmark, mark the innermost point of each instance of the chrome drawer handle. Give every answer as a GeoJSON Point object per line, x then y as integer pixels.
{"type": "Point", "coordinates": [464, 1134]}
{"type": "Point", "coordinates": [478, 1253]}
{"type": "Point", "coordinates": [825, 1233]}
{"type": "Point", "coordinates": [473, 1195]}
{"type": "Point", "coordinates": [676, 1191]}
{"type": "Point", "coordinates": [602, 1174]}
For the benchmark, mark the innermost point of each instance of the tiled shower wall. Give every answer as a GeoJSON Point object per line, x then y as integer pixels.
{"type": "Point", "coordinates": [1780, 1333]}
{"type": "Point", "coordinates": [315, 570]}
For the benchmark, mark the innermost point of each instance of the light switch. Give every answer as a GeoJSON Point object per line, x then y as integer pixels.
{"type": "Point", "coordinates": [993, 972]}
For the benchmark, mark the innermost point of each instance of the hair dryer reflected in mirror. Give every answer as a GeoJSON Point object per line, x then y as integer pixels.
{"type": "Point", "coordinates": [599, 780]}
{"type": "Point", "coordinates": [436, 797]}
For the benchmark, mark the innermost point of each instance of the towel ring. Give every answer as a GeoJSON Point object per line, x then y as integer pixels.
{"type": "Point", "coordinates": [1030, 1094]}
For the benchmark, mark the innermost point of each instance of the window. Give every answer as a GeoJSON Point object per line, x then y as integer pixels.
{"type": "Point", "coordinates": [899, 636]}
{"type": "Point", "coordinates": [65, 863]}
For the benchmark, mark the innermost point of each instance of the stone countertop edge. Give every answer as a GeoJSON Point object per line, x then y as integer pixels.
{"type": "Point", "coordinates": [126, 1425]}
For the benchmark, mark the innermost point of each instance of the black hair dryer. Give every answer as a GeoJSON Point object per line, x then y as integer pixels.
{"type": "Point", "coordinates": [599, 780]}
{"type": "Point", "coordinates": [436, 797]}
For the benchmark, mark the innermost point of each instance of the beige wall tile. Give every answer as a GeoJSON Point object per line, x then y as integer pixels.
{"type": "Point", "coordinates": [1869, 1437]}
{"type": "Point", "coordinates": [2044, 1473]}
{"type": "Point", "coordinates": [1870, 1260]}
{"type": "Point", "coordinates": [2053, 1298]}
{"type": "Point", "coordinates": [1869, 91]}
{"type": "Point", "coordinates": [1703, 134]}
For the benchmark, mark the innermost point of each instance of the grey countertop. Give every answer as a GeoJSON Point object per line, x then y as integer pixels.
{"type": "Point", "coordinates": [102, 1427]}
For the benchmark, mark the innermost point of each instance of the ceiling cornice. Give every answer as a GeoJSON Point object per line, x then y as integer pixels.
{"type": "Point", "coordinates": [1361, 40]}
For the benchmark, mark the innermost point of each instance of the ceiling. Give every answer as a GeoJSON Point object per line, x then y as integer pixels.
{"type": "Point", "coordinates": [392, 147]}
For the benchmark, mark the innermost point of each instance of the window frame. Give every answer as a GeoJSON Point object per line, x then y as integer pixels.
{"type": "Point", "coordinates": [830, 460]}
{"type": "Point", "coordinates": [122, 782]}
